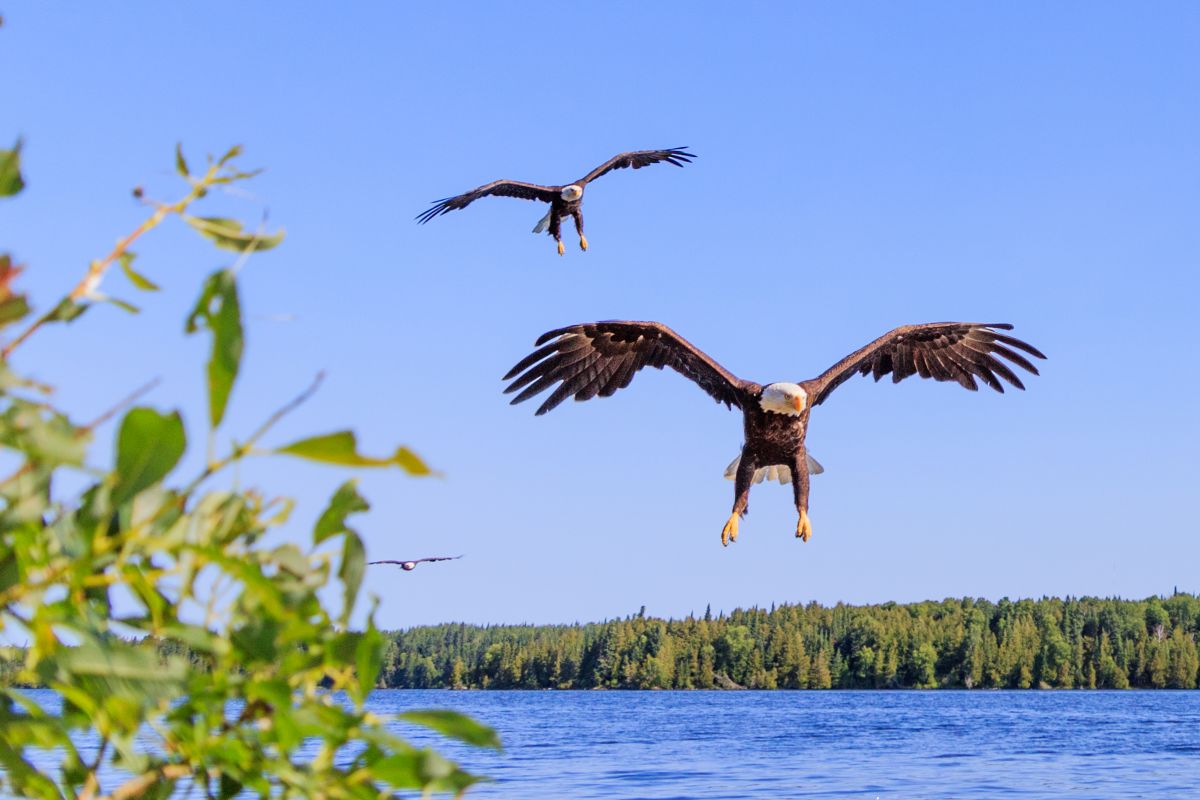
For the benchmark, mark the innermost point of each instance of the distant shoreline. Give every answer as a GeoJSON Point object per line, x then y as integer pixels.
{"type": "Point", "coordinates": [1051, 643]}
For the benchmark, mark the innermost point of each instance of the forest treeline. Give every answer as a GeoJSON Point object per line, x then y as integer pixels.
{"type": "Point", "coordinates": [968, 643]}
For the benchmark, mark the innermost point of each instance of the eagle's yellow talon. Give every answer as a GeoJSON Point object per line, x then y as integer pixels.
{"type": "Point", "coordinates": [582, 242]}
{"type": "Point", "coordinates": [803, 527]}
{"type": "Point", "coordinates": [561, 248]}
{"type": "Point", "coordinates": [730, 531]}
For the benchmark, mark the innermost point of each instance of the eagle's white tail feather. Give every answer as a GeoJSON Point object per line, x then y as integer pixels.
{"type": "Point", "coordinates": [775, 472]}
{"type": "Point", "coordinates": [543, 223]}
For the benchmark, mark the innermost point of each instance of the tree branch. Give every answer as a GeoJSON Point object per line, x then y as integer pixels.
{"type": "Point", "coordinates": [96, 269]}
{"type": "Point", "coordinates": [141, 784]}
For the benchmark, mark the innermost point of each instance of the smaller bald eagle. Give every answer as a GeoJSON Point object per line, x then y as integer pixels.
{"type": "Point", "coordinates": [566, 200]}
{"type": "Point", "coordinates": [598, 358]}
{"type": "Point", "coordinates": [409, 566]}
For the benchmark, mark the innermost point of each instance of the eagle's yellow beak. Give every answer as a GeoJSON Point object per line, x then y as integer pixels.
{"type": "Point", "coordinates": [798, 403]}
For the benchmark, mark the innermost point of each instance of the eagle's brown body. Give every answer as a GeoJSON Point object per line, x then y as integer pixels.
{"type": "Point", "coordinates": [771, 439]}
{"type": "Point", "coordinates": [561, 209]}
{"type": "Point", "coordinates": [599, 358]}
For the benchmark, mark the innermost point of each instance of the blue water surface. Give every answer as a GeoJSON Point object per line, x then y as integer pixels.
{"type": "Point", "coordinates": [826, 744]}
{"type": "Point", "coordinates": [829, 744]}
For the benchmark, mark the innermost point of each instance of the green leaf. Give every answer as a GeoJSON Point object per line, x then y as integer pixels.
{"type": "Point", "coordinates": [10, 574]}
{"type": "Point", "coordinates": [119, 661]}
{"type": "Point", "coordinates": [368, 659]}
{"type": "Point", "coordinates": [398, 769]}
{"type": "Point", "coordinates": [221, 312]}
{"type": "Point", "coordinates": [232, 152]}
{"type": "Point", "coordinates": [67, 310]}
{"type": "Point", "coordinates": [345, 501]}
{"type": "Point", "coordinates": [149, 445]}
{"type": "Point", "coordinates": [13, 309]}
{"type": "Point", "coordinates": [43, 437]}
{"type": "Point", "coordinates": [180, 164]}
{"type": "Point", "coordinates": [12, 305]}
{"type": "Point", "coordinates": [289, 558]}
{"type": "Point", "coordinates": [342, 448]}
{"type": "Point", "coordinates": [454, 725]}
{"type": "Point", "coordinates": [136, 278]}
{"type": "Point", "coordinates": [229, 234]}
{"type": "Point", "coordinates": [121, 304]}
{"type": "Point", "coordinates": [257, 641]}
{"type": "Point", "coordinates": [354, 564]}
{"type": "Point", "coordinates": [11, 181]}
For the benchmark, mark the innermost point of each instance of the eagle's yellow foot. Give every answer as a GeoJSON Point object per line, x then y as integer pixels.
{"type": "Point", "coordinates": [803, 527]}
{"type": "Point", "coordinates": [561, 249]}
{"type": "Point", "coordinates": [729, 532]}
{"type": "Point", "coordinates": [582, 242]}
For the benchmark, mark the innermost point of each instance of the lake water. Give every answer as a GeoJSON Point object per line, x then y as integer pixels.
{"type": "Point", "coordinates": [938, 744]}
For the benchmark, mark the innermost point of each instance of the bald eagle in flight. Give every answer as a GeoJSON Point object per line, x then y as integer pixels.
{"type": "Point", "coordinates": [409, 566]}
{"type": "Point", "coordinates": [599, 358]}
{"type": "Point", "coordinates": [566, 200]}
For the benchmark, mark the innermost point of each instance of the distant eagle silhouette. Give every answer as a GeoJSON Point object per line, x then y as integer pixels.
{"type": "Point", "coordinates": [409, 566]}
{"type": "Point", "coordinates": [599, 358]}
{"type": "Point", "coordinates": [566, 200]}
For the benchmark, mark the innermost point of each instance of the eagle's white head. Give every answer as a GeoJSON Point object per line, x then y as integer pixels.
{"type": "Point", "coordinates": [572, 193]}
{"type": "Point", "coordinates": [784, 398]}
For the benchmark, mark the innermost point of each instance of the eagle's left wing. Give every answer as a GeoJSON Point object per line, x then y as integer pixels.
{"type": "Point", "coordinates": [598, 358]}
{"type": "Point", "coordinates": [502, 188]}
{"type": "Point", "coordinates": [944, 351]}
{"type": "Point", "coordinates": [638, 159]}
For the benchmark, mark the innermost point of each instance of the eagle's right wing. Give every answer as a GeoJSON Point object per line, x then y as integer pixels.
{"type": "Point", "coordinates": [598, 358]}
{"type": "Point", "coordinates": [944, 351]}
{"type": "Point", "coordinates": [638, 159]}
{"type": "Point", "coordinates": [525, 191]}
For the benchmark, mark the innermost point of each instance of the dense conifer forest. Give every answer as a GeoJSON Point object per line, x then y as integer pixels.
{"type": "Point", "coordinates": [968, 643]}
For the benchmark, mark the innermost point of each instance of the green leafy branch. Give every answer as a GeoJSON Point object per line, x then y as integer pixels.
{"type": "Point", "coordinates": [225, 233]}
{"type": "Point", "coordinates": [223, 647]}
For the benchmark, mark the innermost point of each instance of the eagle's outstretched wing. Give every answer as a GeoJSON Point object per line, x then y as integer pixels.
{"type": "Point", "coordinates": [944, 351]}
{"type": "Point", "coordinates": [415, 560]}
{"type": "Point", "coordinates": [638, 159]}
{"type": "Point", "coordinates": [598, 358]}
{"type": "Point", "coordinates": [525, 191]}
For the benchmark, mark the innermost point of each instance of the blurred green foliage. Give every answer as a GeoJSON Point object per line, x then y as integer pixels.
{"type": "Point", "coordinates": [189, 648]}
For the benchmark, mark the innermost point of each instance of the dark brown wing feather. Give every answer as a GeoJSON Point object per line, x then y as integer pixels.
{"type": "Point", "coordinates": [638, 159]}
{"type": "Point", "coordinates": [525, 191]}
{"type": "Point", "coordinates": [944, 351]}
{"type": "Point", "coordinates": [599, 358]}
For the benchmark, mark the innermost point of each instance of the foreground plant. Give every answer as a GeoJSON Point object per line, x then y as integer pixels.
{"type": "Point", "coordinates": [146, 561]}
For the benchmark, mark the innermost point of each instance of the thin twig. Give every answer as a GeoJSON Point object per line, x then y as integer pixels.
{"type": "Point", "coordinates": [96, 270]}
{"type": "Point", "coordinates": [92, 785]}
{"type": "Point", "coordinates": [141, 784]}
{"type": "Point", "coordinates": [296, 402]}
{"type": "Point", "coordinates": [132, 398]}
{"type": "Point", "coordinates": [246, 446]}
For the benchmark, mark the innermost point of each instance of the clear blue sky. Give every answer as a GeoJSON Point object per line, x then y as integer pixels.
{"type": "Point", "coordinates": [861, 165]}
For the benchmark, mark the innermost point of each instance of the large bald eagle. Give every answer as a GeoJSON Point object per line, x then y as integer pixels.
{"type": "Point", "coordinates": [566, 200]}
{"type": "Point", "coordinates": [599, 358]}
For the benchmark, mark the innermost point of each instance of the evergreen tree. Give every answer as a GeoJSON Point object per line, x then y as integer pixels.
{"type": "Point", "coordinates": [960, 643]}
